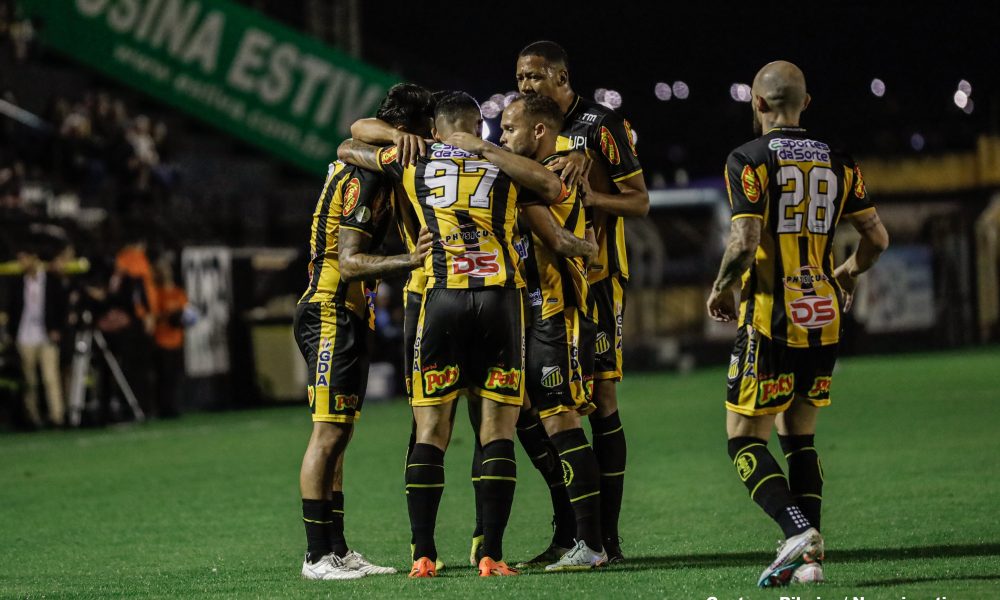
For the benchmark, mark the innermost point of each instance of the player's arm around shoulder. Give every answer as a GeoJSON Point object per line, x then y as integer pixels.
{"type": "Point", "coordinates": [524, 171]}
{"type": "Point", "coordinates": [556, 237]}
{"type": "Point", "coordinates": [356, 263]}
{"type": "Point", "coordinates": [616, 148]}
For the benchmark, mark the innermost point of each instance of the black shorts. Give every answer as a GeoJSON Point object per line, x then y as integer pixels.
{"type": "Point", "coordinates": [469, 340]}
{"type": "Point", "coordinates": [609, 295]}
{"type": "Point", "coordinates": [411, 317]}
{"type": "Point", "coordinates": [765, 376]}
{"type": "Point", "coordinates": [334, 342]}
{"type": "Point", "coordinates": [554, 367]}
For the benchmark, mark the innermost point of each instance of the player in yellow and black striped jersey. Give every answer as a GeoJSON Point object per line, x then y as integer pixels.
{"type": "Point", "coordinates": [471, 322]}
{"type": "Point", "coordinates": [332, 323]}
{"type": "Point", "coordinates": [615, 188]}
{"type": "Point", "coordinates": [788, 191]}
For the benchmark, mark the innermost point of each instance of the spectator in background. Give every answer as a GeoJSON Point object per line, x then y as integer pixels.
{"type": "Point", "coordinates": [38, 317]}
{"type": "Point", "coordinates": [169, 337]}
{"type": "Point", "coordinates": [132, 290]}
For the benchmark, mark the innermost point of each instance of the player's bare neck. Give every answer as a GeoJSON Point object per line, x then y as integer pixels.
{"type": "Point", "coordinates": [778, 121]}
{"type": "Point", "coordinates": [565, 97]}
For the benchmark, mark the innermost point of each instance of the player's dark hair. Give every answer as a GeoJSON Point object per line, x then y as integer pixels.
{"type": "Point", "coordinates": [407, 105]}
{"type": "Point", "coordinates": [455, 105]}
{"type": "Point", "coordinates": [552, 52]}
{"type": "Point", "coordinates": [542, 108]}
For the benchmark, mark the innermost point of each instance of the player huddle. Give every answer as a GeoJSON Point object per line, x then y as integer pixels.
{"type": "Point", "coordinates": [515, 297]}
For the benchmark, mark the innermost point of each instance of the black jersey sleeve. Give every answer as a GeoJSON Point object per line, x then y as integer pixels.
{"type": "Point", "coordinates": [746, 195]}
{"type": "Point", "coordinates": [362, 193]}
{"type": "Point", "coordinates": [388, 162]}
{"type": "Point", "coordinates": [613, 141]}
{"type": "Point", "coordinates": [857, 198]}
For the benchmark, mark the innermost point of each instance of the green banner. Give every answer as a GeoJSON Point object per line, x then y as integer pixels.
{"type": "Point", "coordinates": [283, 91]}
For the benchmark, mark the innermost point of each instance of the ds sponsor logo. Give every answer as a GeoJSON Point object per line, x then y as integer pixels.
{"type": "Point", "coordinates": [351, 194]}
{"type": "Point", "coordinates": [775, 389]}
{"type": "Point", "coordinates": [498, 378]}
{"type": "Point", "coordinates": [552, 377]}
{"type": "Point", "coordinates": [812, 312]}
{"type": "Point", "coordinates": [475, 264]}
{"type": "Point", "coordinates": [440, 379]}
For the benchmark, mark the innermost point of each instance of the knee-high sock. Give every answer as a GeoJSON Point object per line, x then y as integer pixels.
{"type": "Point", "coordinates": [424, 486]}
{"type": "Point", "coordinates": [766, 483]}
{"type": "Point", "coordinates": [611, 451]}
{"type": "Point", "coordinates": [805, 474]}
{"type": "Point", "coordinates": [583, 482]}
{"type": "Point", "coordinates": [544, 457]}
{"type": "Point", "coordinates": [497, 482]}
{"type": "Point", "coordinates": [477, 486]}
{"type": "Point", "coordinates": [316, 518]}
{"type": "Point", "coordinates": [338, 542]}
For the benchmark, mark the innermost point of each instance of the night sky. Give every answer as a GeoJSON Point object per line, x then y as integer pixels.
{"type": "Point", "coordinates": [920, 55]}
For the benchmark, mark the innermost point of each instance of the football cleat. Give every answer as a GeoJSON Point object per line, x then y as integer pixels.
{"type": "Point", "coordinates": [438, 564]}
{"type": "Point", "coordinates": [328, 568]}
{"type": "Point", "coordinates": [613, 546]}
{"type": "Point", "coordinates": [354, 560]}
{"type": "Point", "coordinates": [477, 544]}
{"type": "Point", "coordinates": [424, 567]}
{"type": "Point", "coordinates": [580, 558]}
{"type": "Point", "coordinates": [806, 547]}
{"type": "Point", "coordinates": [809, 573]}
{"type": "Point", "coordinates": [548, 556]}
{"type": "Point", "coordinates": [492, 568]}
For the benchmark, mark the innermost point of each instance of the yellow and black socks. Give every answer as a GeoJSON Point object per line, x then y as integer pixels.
{"type": "Point", "coordinates": [316, 517]}
{"type": "Point", "coordinates": [544, 457]}
{"type": "Point", "coordinates": [766, 482]}
{"type": "Point", "coordinates": [497, 483]}
{"type": "Point", "coordinates": [424, 486]}
{"type": "Point", "coordinates": [337, 541]}
{"type": "Point", "coordinates": [805, 474]}
{"type": "Point", "coordinates": [583, 482]}
{"type": "Point", "coordinates": [609, 446]}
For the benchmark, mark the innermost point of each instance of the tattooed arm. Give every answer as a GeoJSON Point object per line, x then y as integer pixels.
{"type": "Point", "coordinates": [556, 237]}
{"type": "Point", "coordinates": [744, 236]}
{"type": "Point", "coordinates": [874, 241]}
{"type": "Point", "coordinates": [359, 154]}
{"type": "Point", "coordinates": [356, 263]}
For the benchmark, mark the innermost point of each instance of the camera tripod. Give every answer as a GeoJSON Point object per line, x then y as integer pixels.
{"type": "Point", "coordinates": [82, 367]}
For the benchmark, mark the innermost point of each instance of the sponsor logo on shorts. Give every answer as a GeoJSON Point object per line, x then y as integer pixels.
{"type": "Point", "coordinates": [440, 379]}
{"type": "Point", "coordinates": [552, 377]}
{"type": "Point", "coordinates": [800, 150]}
{"type": "Point", "coordinates": [388, 156]}
{"type": "Point", "coordinates": [812, 312]}
{"type": "Point", "coordinates": [499, 378]}
{"type": "Point", "coordinates": [352, 191]}
{"type": "Point", "coordinates": [859, 184]}
{"type": "Point", "coordinates": [631, 138]}
{"type": "Point", "coordinates": [619, 319]}
{"type": "Point", "coordinates": [535, 297]}
{"type": "Point", "coordinates": [522, 246]}
{"type": "Point", "coordinates": [323, 363]}
{"type": "Point", "coordinates": [603, 344]}
{"type": "Point", "coordinates": [574, 361]}
{"type": "Point", "coordinates": [475, 264]}
{"type": "Point", "coordinates": [345, 402]}
{"type": "Point", "coordinates": [775, 389]}
{"type": "Point", "coordinates": [751, 368]}
{"type": "Point", "coordinates": [568, 474]}
{"type": "Point", "coordinates": [821, 387]}
{"type": "Point", "coordinates": [439, 150]}
{"type": "Point", "coordinates": [746, 464]}
{"type": "Point", "coordinates": [805, 279]}
{"type": "Point", "coordinates": [466, 236]}
{"type": "Point", "coordinates": [751, 189]}
{"type": "Point", "coordinates": [608, 146]}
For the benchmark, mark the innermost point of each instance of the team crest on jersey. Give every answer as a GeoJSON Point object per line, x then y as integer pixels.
{"type": "Point", "coordinates": [631, 138]}
{"type": "Point", "coordinates": [609, 147]}
{"type": "Point", "coordinates": [751, 189]}
{"type": "Point", "coordinates": [859, 184]}
{"type": "Point", "coordinates": [388, 156]}
{"type": "Point", "coordinates": [351, 194]}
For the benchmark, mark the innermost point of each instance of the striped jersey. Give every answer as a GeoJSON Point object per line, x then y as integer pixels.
{"type": "Point", "coordinates": [800, 188]}
{"type": "Point", "coordinates": [606, 137]}
{"type": "Point", "coordinates": [554, 282]}
{"type": "Point", "coordinates": [351, 198]}
{"type": "Point", "coordinates": [469, 205]}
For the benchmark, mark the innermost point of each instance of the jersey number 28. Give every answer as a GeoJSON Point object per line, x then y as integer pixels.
{"type": "Point", "coordinates": [822, 188]}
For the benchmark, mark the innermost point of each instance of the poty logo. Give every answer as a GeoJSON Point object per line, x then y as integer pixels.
{"type": "Point", "coordinates": [344, 402]}
{"type": "Point", "coordinates": [609, 147]}
{"type": "Point", "coordinates": [812, 312]}
{"type": "Point", "coordinates": [773, 389]}
{"type": "Point", "coordinates": [820, 387]}
{"type": "Point", "coordinates": [475, 264]}
{"type": "Point", "coordinates": [498, 378]}
{"type": "Point", "coordinates": [435, 381]}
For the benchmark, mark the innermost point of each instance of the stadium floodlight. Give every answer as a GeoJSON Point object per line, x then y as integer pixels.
{"type": "Point", "coordinates": [740, 92]}
{"type": "Point", "coordinates": [510, 97]}
{"type": "Point", "coordinates": [917, 142]}
{"type": "Point", "coordinates": [599, 95]}
{"type": "Point", "coordinates": [680, 90]}
{"type": "Point", "coordinates": [497, 99]}
{"type": "Point", "coordinates": [965, 86]}
{"type": "Point", "coordinates": [878, 87]}
{"type": "Point", "coordinates": [635, 137]}
{"type": "Point", "coordinates": [612, 98]}
{"type": "Point", "coordinates": [486, 130]}
{"type": "Point", "coordinates": [969, 107]}
{"type": "Point", "coordinates": [961, 99]}
{"type": "Point", "coordinates": [491, 109]}
{"type": "Point", "coordinates": [662, 91]}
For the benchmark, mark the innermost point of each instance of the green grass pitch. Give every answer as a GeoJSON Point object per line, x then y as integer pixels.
{"type": "Point", "coordinates": [208, 505]}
